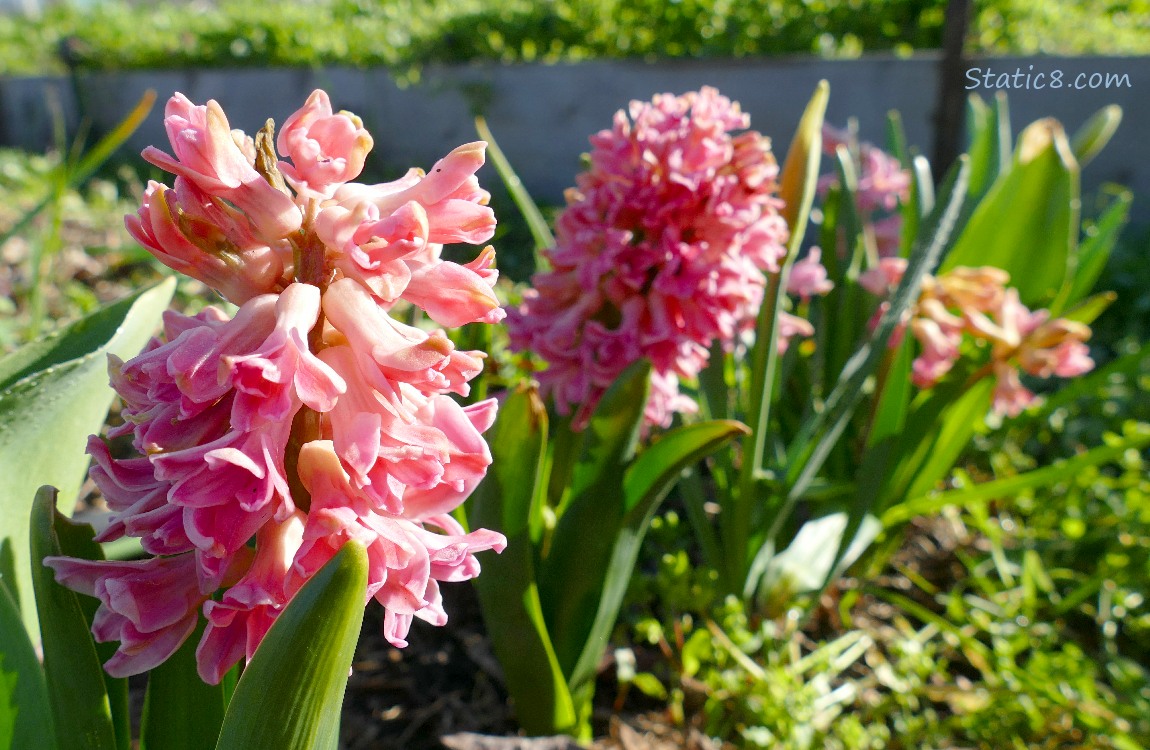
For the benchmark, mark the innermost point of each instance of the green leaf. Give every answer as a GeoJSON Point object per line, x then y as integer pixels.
{"type": "Point", "coordinates": [74, 172]}
{"type": "Point", "coordinates": [55, 393]}
{"type": "Point", "coordinates": [659, 466]}
{"type": "Point", "coordinates": [820, 432]}
{"type": "Point", "coordinates": [1028, 221]}
{"type": "Point", "coordinates": [989, 128]}
{"type": "Point", "coordinates": [572, 575]}
{"type": "Point", "coordinates": [645, 484]}
{"type": "Point", "coordinates": [540, 232]}
{"type": "Point", "coordinates": [797, 188]}
{"type": "Point", "coordinates": [290, 695]}
{"type": "Point", "coordinates": [78, 690]}
{"type": "Point", "coordinates": [9, 709]}
{"type": "Point", "coordinates": [507, 500]}
{"type": "Point", "coordinates": [23, 693]}
{"type": "Point", "coordinates": [1089, 309]}
{"type": "Point", "coordinates": [1093, 136]}
{"type": "Point", "coordinates": [919, 206]}
{"type": "Point", "coordinates": [181, 711]}
{"type": "Point", "coordinates": [1094, 252]}
{"type": "Point", "coordinates": [1046, 476]}
{"type": "Point", "coordinates": [649, 685]}
{"type": "Point", "coordinates": [812, 557]}
{"type": "Point", "coordinates": [894, 394]}
{"type": "Point", "coordinates": [939, 437]}
{"type": "Point", "coordinates": [896, 138]}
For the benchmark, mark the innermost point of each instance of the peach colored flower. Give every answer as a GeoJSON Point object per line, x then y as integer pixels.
{"type": "Point", "coordinates": [975, 304]}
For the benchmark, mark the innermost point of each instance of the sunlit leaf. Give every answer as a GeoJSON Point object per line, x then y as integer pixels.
{"type": "Point", "coordinates": [1028, 221]}
{"type": "Point", "coordinates": [645, 484]}
{"type": "Point", "coordinates": [23, 693]}
{"type": "Point", "coordinates": [55, 394]}
{"type": "Point", "coordinates": [291, 694]}
{"type": "Point", "coordinates": [78, 689]}
{"type": "Point", "coordinates": [505, 501]}
{"type": "Point", "coordinates": [572, 574]}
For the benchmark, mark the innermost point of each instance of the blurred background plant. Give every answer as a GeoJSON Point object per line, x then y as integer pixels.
{"type": "Point", "coordinates": [404, 34]}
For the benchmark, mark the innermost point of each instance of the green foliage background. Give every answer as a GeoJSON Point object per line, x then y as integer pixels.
{"type": "Point", "coordinates": [404, 34]}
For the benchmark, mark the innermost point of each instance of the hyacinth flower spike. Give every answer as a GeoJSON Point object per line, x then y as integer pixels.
{"type": "Point", "coordinates": [662, 250]}
{"type": "Point", "coordinates": [263, 442]}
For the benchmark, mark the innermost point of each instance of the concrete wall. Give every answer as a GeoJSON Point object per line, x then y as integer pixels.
{"type": "Point", "coordinates": [542, 115]}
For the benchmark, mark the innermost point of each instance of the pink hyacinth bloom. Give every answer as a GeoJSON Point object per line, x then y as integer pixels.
{"type": "Point", "coordinates": [662, 249]}
{"type": "Point", "coordinates": [149, 606]}
{"type": "Point", "coordinates": [883, 185]}
{"type": "Point", "coordinates": [267, 440]}
{"type": "Point", "coordinates": [405, 560]}
{"type": "Point", "coordinates": [207, 156]}
{"type": "Point", "coordinates": [791, 326]}
{"type": "Point", "coordinates": [883, 278]}
{"type": "Point", "coordinates": [882, 182]}
{"type": "Point", "coordinates": [1011, 397]}
{"type": "Point", "coordinates": [240, 619]}
{"type": "Point", "coordinates": [808, 277]}
{"type": "Point", "coordinates": [326, 149]}
{"type": "Point", "coordinates": [888, 235]}
{"type": "Point", "coordinates": [394, 258]}
{"type": "Point", "coordinates": [206, 239]}
{"type": "Point", "coordinates": [399, 351]}
{"type": "Point", "coordinates": [939, 351]}
{"type": "Point", "coordinates": [456, 206]}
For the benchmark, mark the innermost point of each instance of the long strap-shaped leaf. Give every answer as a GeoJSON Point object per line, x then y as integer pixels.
{"type": "Point", "coordinates": [290, 695]}
{"type": "Point", "coordinates": [819, 433]}
{"type": "Point", "coordinates": [53, 394]}
{"type": "Point", "coordinates": [797, 189]}
{"type": "Point", "coordinates": [646, 483]}
{"type": "Point", "coordinates": [507, 500]}
{"type": "Point", "coordinates": [181, 711]}
{"type": "Point", "coordinates": [1027, 223]}
{"type": "Point", "coordinates": [78, 689]}
{"type": "Point", "coordinates": [540, 232]}
{"type": "Point", "coordinates": [571, 576]}
{"type": "Point", "coordinates": [1059, 471]}
{"type": "Point", "coordinates": [28, 697]}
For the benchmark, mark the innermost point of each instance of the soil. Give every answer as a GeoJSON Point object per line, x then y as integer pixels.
{"type": "Point", "coordinates": [445, 690]}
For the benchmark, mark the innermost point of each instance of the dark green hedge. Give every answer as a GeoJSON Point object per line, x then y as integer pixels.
{"type": "Point", "coordinates": [403, 34]}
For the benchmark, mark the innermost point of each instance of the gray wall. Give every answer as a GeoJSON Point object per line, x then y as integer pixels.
{"type": "Point", "coordinates": [542, 115]}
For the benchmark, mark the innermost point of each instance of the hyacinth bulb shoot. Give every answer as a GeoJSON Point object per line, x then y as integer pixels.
{"type": "Point", "coordinates": [265, 441]}
{"type": "Point", "coordinates": [661, 251]}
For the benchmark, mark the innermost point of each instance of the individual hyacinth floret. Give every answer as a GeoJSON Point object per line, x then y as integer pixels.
{"type": "Point", "coordinates": [265, 441]}
{"type": "Point", "coordinates": [661, 250]}
{"type": "Point", "coordinates": [976, 304]}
